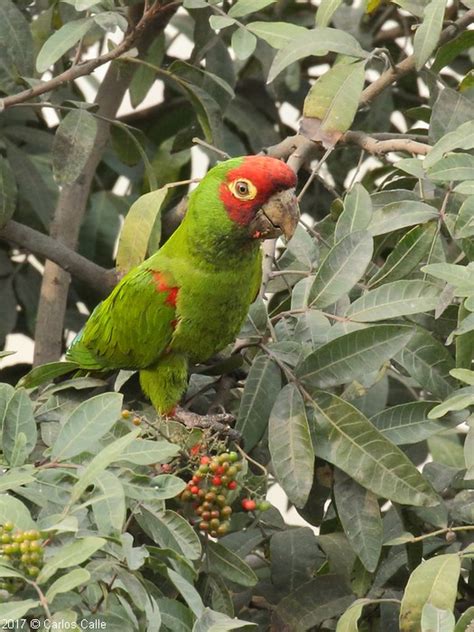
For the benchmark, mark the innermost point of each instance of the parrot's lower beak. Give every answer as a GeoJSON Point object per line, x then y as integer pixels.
{"type": "Point", "coordinates": [279, 215]}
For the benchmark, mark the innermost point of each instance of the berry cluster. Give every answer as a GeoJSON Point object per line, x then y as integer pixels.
{"type": "Point", "coordinates": [209, 488]}
{"type": "Point", "coordinates": [21, 549]}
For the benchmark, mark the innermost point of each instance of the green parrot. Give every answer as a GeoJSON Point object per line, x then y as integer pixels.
{"type": "Point", "coordinates": [188, 300]}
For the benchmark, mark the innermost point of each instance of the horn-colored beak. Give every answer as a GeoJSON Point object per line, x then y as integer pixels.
{"type": "Point", "coordinates": [279, 215]}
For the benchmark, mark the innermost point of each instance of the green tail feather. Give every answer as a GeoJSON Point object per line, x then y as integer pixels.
{"type": "Point", "coordinates": [165, 382]}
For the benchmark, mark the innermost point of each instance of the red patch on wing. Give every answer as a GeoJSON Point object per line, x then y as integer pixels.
{"type": "Point", "coordinates": [162, 286]}
{"type": "Point", "coordinates": [269, 176]}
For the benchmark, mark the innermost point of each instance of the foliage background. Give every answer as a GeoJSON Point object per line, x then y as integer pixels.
{"type": "Point", "coordinates": [354, 367]}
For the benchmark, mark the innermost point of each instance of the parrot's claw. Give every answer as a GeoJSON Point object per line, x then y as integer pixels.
{"type": "Point", "coordinates": [219, 423]}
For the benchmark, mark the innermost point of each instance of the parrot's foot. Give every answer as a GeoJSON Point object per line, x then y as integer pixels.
{"type": "Point", "coordinates": [219, 423]}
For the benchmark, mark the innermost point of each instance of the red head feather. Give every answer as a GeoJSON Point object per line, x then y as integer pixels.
{"type": "Point", "coordinates": [267, 175]}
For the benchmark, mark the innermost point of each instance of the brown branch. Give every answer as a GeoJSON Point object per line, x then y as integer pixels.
{"type": "Point", "coordinates": [72, 200]}
{"type": "Point", "coordinates": [98, 278]}
{"type": "Point", "coordinates": [408, 64]}
{"type": "Point", "coordinates": [87, 67]}
{"type": "Point", "coordinates": [375, 146]}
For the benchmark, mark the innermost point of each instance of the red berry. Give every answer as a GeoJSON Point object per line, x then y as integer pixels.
{"type": "Point", "coordinates": [194, 489]}
{"type": "Point", "coordinates": [248, 504]}
{"type": "Point", "coordinates": [232, 485]}
{"type": "Point", "coordinates": [217, 481]}
{"type": "Point", "coordinates": [196, 479]}
{"type": "Point", "coordinates": [195, 449]}
{"type": "Point", "coordinates": [220, 470]}
{"type": "Point", "coordinates": [205, 460]}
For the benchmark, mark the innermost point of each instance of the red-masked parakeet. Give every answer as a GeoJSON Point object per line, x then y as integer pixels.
{"type": "Point", "coordinates": [188, 300]}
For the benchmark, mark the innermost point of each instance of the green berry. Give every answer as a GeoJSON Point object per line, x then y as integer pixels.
{"type": "Point", "coordinates": [35, 545]}
{"type": "Point", "coordinates": [214, 523]}
{"type": "Point", "coordinates": [8, 526]}
{"type": "Point", "coordinates": [5, 538]}
{"type": "Point", "coordinates": [26, 558]}
{"type": "Point", "coordinates": [264, 505]}
{"type": "Point", "coordinates": [33, 571]}
{"type": "Point", "coordinates": [24, 547]}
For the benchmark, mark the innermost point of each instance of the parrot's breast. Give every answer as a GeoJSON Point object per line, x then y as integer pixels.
{"type": "Point", "coordinates": [211, 308]}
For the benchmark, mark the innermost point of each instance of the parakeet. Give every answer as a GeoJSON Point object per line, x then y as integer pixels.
{"type": "Point", "coordinates": [188, 300]}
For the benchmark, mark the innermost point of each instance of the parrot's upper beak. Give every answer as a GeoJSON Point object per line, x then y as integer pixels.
{"type": "Point", "coordinates": [279, 215]}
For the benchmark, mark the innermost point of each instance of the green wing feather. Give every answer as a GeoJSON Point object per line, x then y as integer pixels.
{"type": "Point", "coordinates": [130, 329]}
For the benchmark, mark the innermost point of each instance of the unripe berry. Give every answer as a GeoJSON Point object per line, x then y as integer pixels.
{"type": "Point", "coordinates": [221, 500]}
{"type": "Point", "coordinates": [35, 546]}
{"type": "Point", "coordinates": [8, 526]}
{"type": "Point", "coordinates": [215, 522]}
{"type": "Point", "coordinates": [264, 505]}
{"type": "Point", "coordinates": [136, 421]}
{"type": "Point", "coordinates": [233, 457]}
{"type": "Point", "coordinates": [232, 471]}
{"type": "Point", "coordinates": [204, 526]}
{"type": "Point", "coordinates": [226, 511]}
{"type": "Point", "coordinates": [223, 528]}
{"type": "Point", "coordinates": [33, 571]}
{"type": "Point", "coordinates": [126, 414]}
{"type": "Point", "coordinates": [206, 516]}
{"type": "Point", "coordinates": [6, 538]}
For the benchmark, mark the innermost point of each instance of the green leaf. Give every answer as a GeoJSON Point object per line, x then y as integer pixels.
{"type": "Point", "coordinates": [460, 400]}
{"type": "Point", "coordinates": [410, 423]}
{"type": "Point", "coordinates": [449, 51]}
{"type": "Point", "coordinates": [434, 581]}
{"type": "Point", "coordinates": [108, 503]}
{"type": "Point", "coordinates": [357, 212]}
{"type": "Point", "coordinates": [344, 437]}
{"type": "Point", "coordinates": [453, 167]}
{"type": "Point", "coordinates": [67, 583]}
{"type": "Point", "coordinates": [71, 555]}
{"type": "Point", "coordinates": [6, 393]}
{"type": "Point", "coordinates": [111, 453]}
{"type": "Point", "coordinates": [392, 300]}
{"type": "Point", "coordinates": [464, 375]}
{"type": "Point", "coordinates": [466, 188]}
{"type": "Point", "coordinates": [436, 620]}
{"type": "Point", "coordinates": [15, 610]}
{"type": "Point", "coordinates": [352, 355]}
{"type": "Point", "coordinates": [398, 215]}
{"type": "Point", "coordinates": [175, 615]}
{"type": "Point", "coordinates": [318, 41]}
{"type": "Point", "coordinates": [459, 276]}
{"type": "Point", "coordinates": [223, 561]}
{"type": "Point", "coordinates": [16, 478]}
{"type": "Point", "coordinates": [188, 592]}
{"type": "Point", "coordinates": [340, 270]}
{"type": "Point", "coordinates": [277, 34]}
{"type": "Point", "coordinates": [19, 420]}
{"type": "Point", "coordinates": [294, 555]}
{"type": "Point", "coordinates": [73, 143]}
{"type": "Point", "coordinates": [326, 10]}
{"type": "Point", "coordinates": [16, 43]}
{"type": "Point", "coordinates": [244, 7]}
{"type": "Point", "coordinates": [46, 373]}
{"type": "Point", "coordinates": [8, 191]}
{"type": "Point", "coordinates": [428, 362]}
{"type": "Point", "coordinates": [218, 22]}
{"type": "Point", "coordinates": [348, 621]}
{"type": "Point", "coordinates": [406, 255]}
{"type": "Point", "coordinates": [15, 511]}
{"type": "Point", "coordinates": [332, 102]}
{"type": "Point", "coordinates": [211, 621]}
{"type": "Point", "coordinates": [170, 530]}
{"type": "Point", "coordinates": [145, 452]}
{"type": "Point", "coordinates": [464, 226]}
{"type": "Point", "coordinates": [289, 442]}
{"type": "Point", "coordinates": [137, 229]}
{"type": "Point", "coordinates": [244, 43]}
{"type": "Point", "coordinates": [321, 598]}
{"type": "Point", "coordinates": [261, 389]}
{"type": "Point", "coordinates": [359, 513]}
{"type": "Point", "coordinates": [463, 623]}
{"type": "Point", "coordinates": [61, 41]}
{"type": "Point", "coordinates": [167, 486]}
{"type": "Point", "coordinates": [427, 34]}
{"type": "Point", "coordinates": [87, 423]}
{"type": "Point", "coordinates": [461, 138]}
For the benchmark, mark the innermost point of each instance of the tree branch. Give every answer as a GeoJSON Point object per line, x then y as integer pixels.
{"type": "Point", "coordinates": [375, 146]}
{"type": "Point", "coordinates": [87, 67]}
{"type": "Point", "coordinates": [98, 278]}
{"type": "Point", "coordinates": [72, 200]}
{"type": "Point", "coordinates": [408, 64]}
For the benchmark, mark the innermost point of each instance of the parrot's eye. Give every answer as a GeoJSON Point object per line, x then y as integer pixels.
{"type": "Point", "coordinates": [243, 189]}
